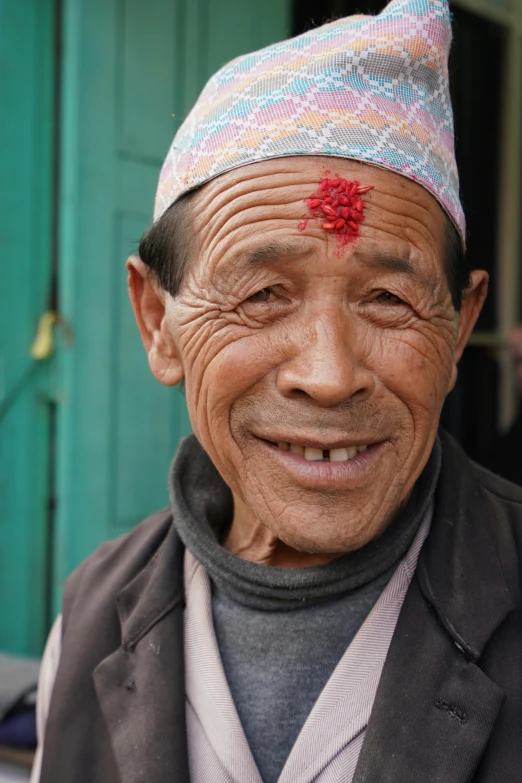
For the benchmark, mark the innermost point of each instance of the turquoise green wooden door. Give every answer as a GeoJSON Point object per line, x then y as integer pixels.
{"type": "Point", "coordinates": [129, 66]}
{"type": "Point", "coordinates": [26, 141]}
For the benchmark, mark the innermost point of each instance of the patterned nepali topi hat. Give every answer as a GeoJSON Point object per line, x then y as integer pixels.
{"type": "Point", "coordinates": [370, 88]}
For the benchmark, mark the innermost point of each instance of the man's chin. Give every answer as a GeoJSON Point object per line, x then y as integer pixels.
{"type": "Point", "coordinates": [319, 531]}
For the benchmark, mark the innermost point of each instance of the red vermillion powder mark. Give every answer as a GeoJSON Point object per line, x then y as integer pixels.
{"type": "Point", "coordinates": [337, 203]}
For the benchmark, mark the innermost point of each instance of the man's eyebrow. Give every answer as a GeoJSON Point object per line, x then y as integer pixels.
{"type": "Point", "coordinates": [391, 261]}
{"type": "Point", "coordinates": [272, 251]}
{"type": "Point", "coordinates": [395, 263]}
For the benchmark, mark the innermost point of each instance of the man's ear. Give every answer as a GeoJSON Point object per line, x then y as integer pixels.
{"type": "Point", "coordinates": [472, 302]}
{"type": "Point", "coordinates": [148, 302]}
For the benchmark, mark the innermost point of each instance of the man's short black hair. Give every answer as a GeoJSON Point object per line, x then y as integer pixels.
{"type": "Point", "coordinates": [166, 245]}
{"type": "Point", "coordinates": [458, 269]}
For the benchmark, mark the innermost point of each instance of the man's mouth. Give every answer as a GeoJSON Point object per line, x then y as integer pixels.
{"type": "Point", "coordinates": [325, 465]}
{"type": "Point", "coordinates": [312, 454]}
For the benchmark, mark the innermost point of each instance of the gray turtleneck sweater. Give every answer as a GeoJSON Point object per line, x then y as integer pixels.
{"type": "Point", "coordinates": [281, 632]}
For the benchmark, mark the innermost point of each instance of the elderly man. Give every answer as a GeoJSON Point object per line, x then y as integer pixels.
{"type": "Point", "coordinates": [333, 593]}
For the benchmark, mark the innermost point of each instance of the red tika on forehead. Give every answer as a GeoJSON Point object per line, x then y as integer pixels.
{"type": "Point", "coordinates": [337, 203]}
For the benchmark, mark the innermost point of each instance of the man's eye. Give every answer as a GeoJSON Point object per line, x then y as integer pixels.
{"type": "Point", "coordinates": [386, 298]}
{"type": "Point", "coordinates": [260, 296]}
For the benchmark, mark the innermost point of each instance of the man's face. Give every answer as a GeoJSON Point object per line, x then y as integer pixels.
{"type": "Point", "coordinates": [285, 338]}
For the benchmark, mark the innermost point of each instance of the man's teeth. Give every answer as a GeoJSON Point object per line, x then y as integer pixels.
{"type": "Point", "coordinates": [341, 455]}
{"type": "Point", "coordinates": [322, 455]}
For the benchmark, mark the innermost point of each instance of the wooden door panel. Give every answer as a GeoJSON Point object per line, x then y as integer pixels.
{"type": "Point", "coordinates": [149, 38]}
{"type": "Point", "coordinates": [26, 163]}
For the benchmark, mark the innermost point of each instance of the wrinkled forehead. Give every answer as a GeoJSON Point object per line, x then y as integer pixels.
{"type": "Point", "coordinates": [292, 181]}
{"type": "Point", "coordinates": [300, 198]}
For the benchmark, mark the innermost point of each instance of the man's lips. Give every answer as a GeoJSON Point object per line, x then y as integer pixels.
{"type": "Point", "coordinates": [343, 471]}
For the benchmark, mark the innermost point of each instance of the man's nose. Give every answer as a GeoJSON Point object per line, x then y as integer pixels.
{"type": "Point", "coordinates": [326, 365]}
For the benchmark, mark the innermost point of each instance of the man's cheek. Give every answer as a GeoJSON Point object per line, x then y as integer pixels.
{"type": "Point", "coordinates": [210, 414]}
{"type": "Point", "coordinates": [414, 368]}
